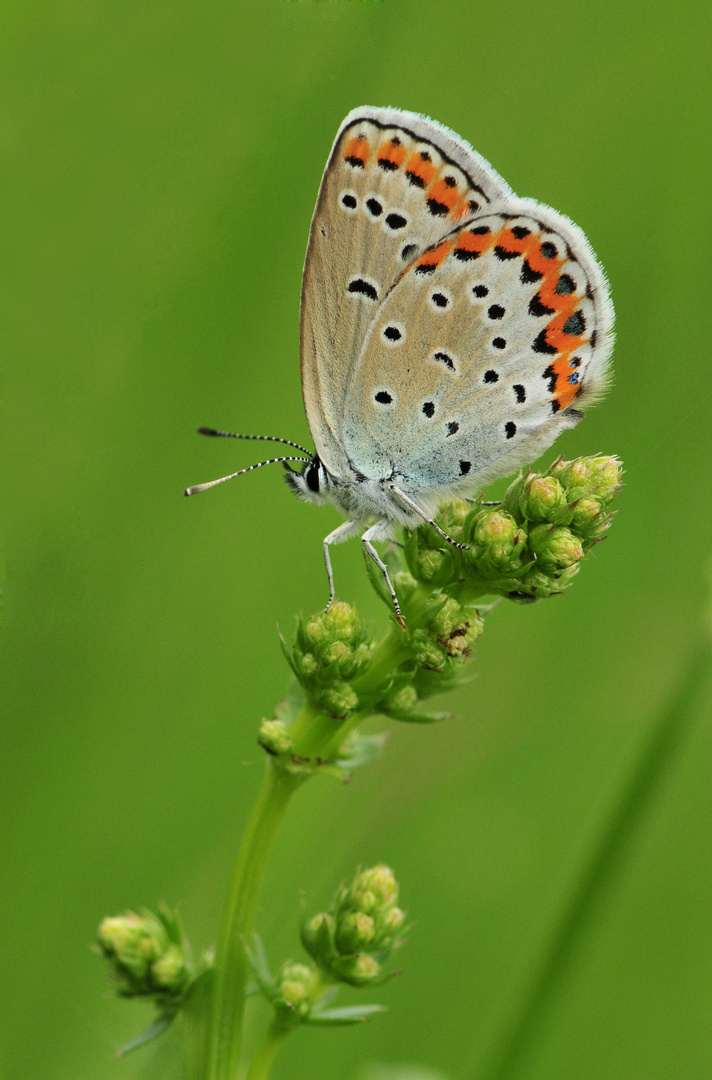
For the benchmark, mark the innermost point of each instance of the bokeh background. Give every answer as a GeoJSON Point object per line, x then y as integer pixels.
{"type": "Point", "coordinates": [162, 163]}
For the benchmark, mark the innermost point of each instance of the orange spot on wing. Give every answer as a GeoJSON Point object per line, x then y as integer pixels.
{"type": "Point", "coordinates": [443, 193]}
{"type": "Point", "coordinates": [433, 258]}
{"type": "Point", "coordinates": [357, 149]}
{"type": "Point", "coordinates": [479, 242]}
{"type": "Point", "coordinates": [518, 244]}
{"type": "Point", "coordinates": [395, 153]}
{"type": "Point", "coordinates": [424, 170]}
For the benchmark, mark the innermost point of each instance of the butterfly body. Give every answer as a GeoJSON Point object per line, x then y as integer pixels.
{"type": "Point", "coordinates": [449, 329]}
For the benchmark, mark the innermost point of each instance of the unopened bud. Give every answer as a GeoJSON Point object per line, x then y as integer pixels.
{"type": "Point", "coordinates": [498, 544]}
{"type": "Point", "coordinates": [274, 737]}
{"type": "Point", "coordinates": [355, 931]}
{"type": "Point", "coordinates": [170, 972]}
{"type": "Point", "coordinates": [555, 547]}
{"type": "Point", "coordinates": [599, 476]}
{"type": "Point", "coordinates": [541, 497]}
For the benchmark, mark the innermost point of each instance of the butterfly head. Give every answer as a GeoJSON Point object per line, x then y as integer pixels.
{"type": "Point", "coordinates": [311, 483]}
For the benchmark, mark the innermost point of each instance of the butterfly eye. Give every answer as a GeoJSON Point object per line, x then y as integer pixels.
{"type": "Point", "coordinates": [312, 478]}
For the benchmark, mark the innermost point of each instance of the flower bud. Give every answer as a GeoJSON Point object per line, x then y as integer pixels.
{"type": "Point", "coordinates": [317, 937]}
{"type": "Point", "coordinates": [599, 476]}
{"type": "Point", "coordinates": [359, 970]}
{"type": "Point", "coordinates": [354, 931]}
{"type": "Point", "coordinates": [274, 737]}
{"type": "Point", "coordinates": [390, 923]}
{"type": "Point", "coordinates": [555, 547]}
{"type": "Point", "coordinates": [170, 972]}
{"type": "Point", "coordinates": [294, 987]}
{"type": "Point", "coordinates": [143, 952]}
{"type": "Point", "coordinates": [541, 498]}
{"type": "Point", "coordinates": [378, 880]}
{"type": "Point", "coordinates": [330, 651]}
{"type": "Point", "coordinates": [498, 544]}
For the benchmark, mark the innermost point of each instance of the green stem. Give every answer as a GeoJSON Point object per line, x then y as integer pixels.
{"type": "Point", "coordinates": [231, 968]}
{"type": "Point", "coordinates": [266, 1051]}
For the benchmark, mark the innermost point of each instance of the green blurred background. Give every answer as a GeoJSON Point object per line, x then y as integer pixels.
{"type": "Point", "coordinates": [162, 162]}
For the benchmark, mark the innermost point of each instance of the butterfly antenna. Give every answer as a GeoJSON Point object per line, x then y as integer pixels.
{"type": "Point", "coordinates": [260, 438]}
{"type": "Point", "coordinates": [212, 483]}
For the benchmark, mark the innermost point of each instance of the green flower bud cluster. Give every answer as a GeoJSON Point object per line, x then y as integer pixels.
{"type": "Point", "coordinates": [352, 941]}
{"type": "Point", "coordinates": [330, 651]}
{"type": "Point", "coordinates": [294, 990]}
{"type": "Point", "coordinates": [531, 545]}
{"type": "Point", "coordinates": [147, 954]}
{"type": "Point", "coordinates": [446, 630]}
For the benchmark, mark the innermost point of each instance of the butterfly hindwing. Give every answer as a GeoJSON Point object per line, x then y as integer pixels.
{"type": "Point", "coordinates": [479, 354]}
{"type": "Point", "coordinates": [394, 185]}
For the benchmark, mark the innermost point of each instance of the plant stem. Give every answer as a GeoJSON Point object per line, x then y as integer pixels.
{"type": "Point", "coordinates": [266, 1051]}
{"type": "Point", "coordinates": [231, 968]}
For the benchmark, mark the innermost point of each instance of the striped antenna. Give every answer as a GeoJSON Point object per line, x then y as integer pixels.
{"type": "Point", "coordinates": [261, 438]}
{"type": "Point", "coordinates": [212, 483]}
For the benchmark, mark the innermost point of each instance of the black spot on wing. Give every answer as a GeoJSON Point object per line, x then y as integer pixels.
{"type": "Point", "coordinates": [408, 252]}
{"type": "Point", "coordinates": [520, 231]}
{"type": "Point", "coordinates": [444, 358]}
{"type": "Point", "coordinates": [349, 201]}
{"type": "Point", "coordinates": [429, 408]}
{"type": "Point", "coordinates": [452, 428]}
{"type": "Point", "coordinates": [519, 393]}
{"type": "Point", "coordinates": [374, 208]}
{"type": "Point", "coordinates": [510, 429]}
{"type": "Point", "coordinates": [528, 276]}
{"type": "Point", "coordinates": [465, 467]}
{"type": "Point", "coordinates": [480, 290]}
{"type": "Point", "coordinates": [541, 345]}
{"type": "Point", "coordinates": [396, 221]}
{"type": "Point", "coordinates": [496, 311]}
{"type": "Point", "coordinates": [504, 253]}
{"type": "Point", "coordinates": [437, 209]}
{"type": "Point", "coordinates": [550, 374]}
{"type": "Point", "coordinates": [383, 397]}
{"type": "Point", "coordinates": [360, 286]}
{"type": "Point", "coordinates": [537, 308]}
{"type": "Point", "coordinates": [491, 376]}
{"type": "Point", "coordinates": [549, 250]}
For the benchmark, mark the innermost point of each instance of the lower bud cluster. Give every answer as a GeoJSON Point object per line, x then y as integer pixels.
{"type": "Point", "coordinates": [148, 955]}
{"type": "Point", "coordinates": [330, 651]}
{"type": "Point", "coordinates": [353, 940]}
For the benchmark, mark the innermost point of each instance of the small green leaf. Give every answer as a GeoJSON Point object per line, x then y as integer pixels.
{"type": "Point", "coordinates": [293, 702]}
{"type": "Point", "coordinates": [350, 1014]}
{"type": "Point", "coordinates": [260, 966]}
{"type": "Point", "coordinates": [287, 653]}
{"type": "Point", "coordinates": [362, 751]}
{"type": "Point", "coordinates": [155, 1029]}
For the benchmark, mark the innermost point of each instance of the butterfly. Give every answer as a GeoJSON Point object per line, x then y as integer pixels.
{"type": "Point", "coordinates": [449, 329]}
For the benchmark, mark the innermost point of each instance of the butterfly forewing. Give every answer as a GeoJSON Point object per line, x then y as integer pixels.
{"type": "Point", "coordinates": [478, 353]}
{"type": "Point", "coordinates": [394, 186]}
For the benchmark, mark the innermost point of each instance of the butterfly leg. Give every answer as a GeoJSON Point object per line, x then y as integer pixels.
{"type": "Point", "coordinates": [343, 532]}
{"type": "Point", "coordinates": [376, 532]}
{"type": "Point", "coordinates": [421, 513]}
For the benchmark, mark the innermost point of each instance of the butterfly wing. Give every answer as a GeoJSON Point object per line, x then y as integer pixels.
{"type": "Point", "coordinates": [394, 185]}
{"type": "Point", "coordinates": [478, 354]}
